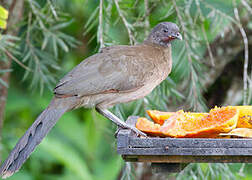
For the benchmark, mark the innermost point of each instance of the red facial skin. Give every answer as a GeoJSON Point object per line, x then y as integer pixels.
{"type": "Point", "coordinates": [168, 39]}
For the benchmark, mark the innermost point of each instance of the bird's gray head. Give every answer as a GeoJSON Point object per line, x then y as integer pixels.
{"type": "Point", "coordinates": [163, 33]}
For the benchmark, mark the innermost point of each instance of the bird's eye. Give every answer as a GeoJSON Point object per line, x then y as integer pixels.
{"type": "Point", "coordinates": [165, 30]}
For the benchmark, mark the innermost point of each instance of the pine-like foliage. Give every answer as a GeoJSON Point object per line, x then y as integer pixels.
{"type": "Point", "coordinates": [39, 43]}
{"type": "Point", "coordinates": [42, 42]}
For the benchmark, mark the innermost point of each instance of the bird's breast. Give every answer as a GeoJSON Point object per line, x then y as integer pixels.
{"type": "Point", "coordinates": [163, 64]}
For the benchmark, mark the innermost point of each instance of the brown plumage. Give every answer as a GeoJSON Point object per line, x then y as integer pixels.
{"type": "Point", "coordinates": [117, 74]}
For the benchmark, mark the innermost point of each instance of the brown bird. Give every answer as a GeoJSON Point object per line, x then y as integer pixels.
{"type": "Point", "coordinates": [115, 75]}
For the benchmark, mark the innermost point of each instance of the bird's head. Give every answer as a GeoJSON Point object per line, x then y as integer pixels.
{"type": "Point", "coordinates": [163, 33]}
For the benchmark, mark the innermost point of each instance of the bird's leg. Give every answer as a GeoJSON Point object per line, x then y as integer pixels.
{"type": "Point", "coordinates": [106, 113]}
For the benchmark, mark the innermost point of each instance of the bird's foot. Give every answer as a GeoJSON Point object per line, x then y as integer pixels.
{"type": "Point", "coordinates": [119, 122]}
{"type": "Point", "coordinates": [134, 129]}
{"type": "Point", "coordinates": [138, 132]}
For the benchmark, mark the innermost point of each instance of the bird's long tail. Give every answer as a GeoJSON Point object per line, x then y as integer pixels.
{"type": "Point", "coordinates": [32, 137]}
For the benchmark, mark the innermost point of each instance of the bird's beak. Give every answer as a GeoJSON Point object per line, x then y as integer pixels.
{"type": "Point", "coordinates": [178, 36]}
{"type": "Point", "coordinates": [173, 37]}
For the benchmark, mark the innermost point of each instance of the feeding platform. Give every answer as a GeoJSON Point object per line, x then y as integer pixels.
{"type": "Point", "coordinates": [164, 152]}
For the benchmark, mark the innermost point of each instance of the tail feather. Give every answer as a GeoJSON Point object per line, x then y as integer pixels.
{"type": "Point", "coordinates": [32, 137]}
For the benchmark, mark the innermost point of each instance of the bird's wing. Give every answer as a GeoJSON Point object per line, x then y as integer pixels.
{"type": "Point", "coordinates": [114, 69]}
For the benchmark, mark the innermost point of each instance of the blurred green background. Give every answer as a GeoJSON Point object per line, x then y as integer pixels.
{"type": "Point", "coordinates": [53, 36]}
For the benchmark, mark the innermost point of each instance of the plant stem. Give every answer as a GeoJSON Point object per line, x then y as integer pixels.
{"type": "Point", "coordinates": [246, 56]}
{"type": "Point", "coordinates": [125, 22]}
{"type": "Point", "coordinates": [100, 27]}
{"type": "Point", "coordinates": [15, 14]}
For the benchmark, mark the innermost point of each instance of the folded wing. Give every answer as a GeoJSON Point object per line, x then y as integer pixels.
{"type": "Point", "coordinates": [114, 69]}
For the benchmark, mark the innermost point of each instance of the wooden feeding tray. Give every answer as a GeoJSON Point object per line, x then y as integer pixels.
{"type": "Point", "coordinates": [179, 151]}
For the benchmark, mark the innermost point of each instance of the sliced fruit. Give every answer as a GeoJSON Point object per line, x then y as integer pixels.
{"type": "Point", "coordinates": [245, 116]}
{"type": "Point", "coordinates": [150, 128]}
{"type": "Point", "coordinates": [239, 132]}
{"type": "Point", "coordinates": [160, 117]}
{"type": "Point", "coordinates": [218, 121]}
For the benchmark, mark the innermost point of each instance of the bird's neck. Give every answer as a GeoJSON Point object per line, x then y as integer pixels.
{"type": "Point", "coordinates": [168, 52]}
{"type": "Point", "coordinates": [165, 49]}
{"type": "Point", "coordinates": [152, 40]}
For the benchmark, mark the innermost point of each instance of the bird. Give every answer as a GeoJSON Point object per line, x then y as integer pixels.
{"type": "Point", "coordinates": [116, 74]}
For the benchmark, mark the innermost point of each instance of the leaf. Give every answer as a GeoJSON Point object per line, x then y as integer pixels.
{"type": "Point", "coordinates": [3, 17]}
{"type": "Point", "coordinates": [3, 83]}
{"type": "Point", "coordinates": [27, 56]}
{"type": "Point", "coordinates": [111, 170]}
{"type": "Point", "coordinates": [3, 24]}
{"type": "Point", "coordinates": [71, 41]}
{"type": "Point", "coordinates": [62, 45]}
{"type": "Point", "coordinates": [90, 27]}
{"type": "Point", "coordinates": [68, 156]}
{"type": "Point", "coordinates": [91, 17]}
{"type": "Point", "coordinates": [45, 41]}
{"type": "Point", "coordinates": [5, 70]}
{"type": "Point", "coordinates": [137, 107]}
{"type": "Point", "coordinates": [178, 94]}
{"type": "Point", "coordinates": [206, 24]}
{"type": "Point", "coordinates": [55, 49]}
{"type": "Point", "coordinates": [74, 136]}
{"type": "Point", "coordinates": [3, 13]}
{"type": "Point", "coordinates": [61, 25]}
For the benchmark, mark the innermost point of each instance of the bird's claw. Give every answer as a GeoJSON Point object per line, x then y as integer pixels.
{"type": "Point", "coordinates": [138, 132]}
{"type": "Point", "coordinates": [117, 131]}
{"type": "Point", "coordinates": [135, 130]}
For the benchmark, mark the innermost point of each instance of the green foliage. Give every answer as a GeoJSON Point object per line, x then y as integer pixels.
{"type": "Point", "coordinates": [43, 40]}
{"type": "Point", "coordinates": [81, 146]}
{"type": "Point", "coordinates": [3, 17]}
{"type": "Point", "coordinates": [200, 22]}
{"type": "Point", "coordinates": [41, 43]}
{"type": "Point", "coordinates": [78, 147]}
{"type": "Point", "coordinates": [7, 44]}
{"type": "Point", "coordinates": [215, 171]}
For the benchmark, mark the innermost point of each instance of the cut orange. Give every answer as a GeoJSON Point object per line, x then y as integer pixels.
{"type": "Point", "coordinates": [184, 125]}
{"type": "Point", "coordinates": [159, 117]}
{"type": "Point", "coordinates": [245, 116]}
{"type": "Point", "coordinates": [144, 125]}
{"type": "Point", "coordinates": [239, 132]}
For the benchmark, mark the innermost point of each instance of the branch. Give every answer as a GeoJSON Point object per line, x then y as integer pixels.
{"type": "Point", "coordinates": [194, 81]}
{"type": "Point", "coordinates": [146, 15]}
{"type": "Point", "coordinates": [125, 22]}
{"type": "Point", "coordinates": [208, 46]}
{"type": "Point", "coordinates": [15, 16]}
{"type": "Point", "coordinates": [140, 20]}
{"type": "Point", "coordinates": [246, 5]}
{"type": "Point", "coordinates": [218, 11]}
{"type": "Point", "coordinates": [224, 51]}
{"type": "Point", "coordinates": [183, 29]}
{"type": "Point", "coordinates": [53, 9]}
{"type": "Point", "coordinates": [204, 33]}
{"type": "Point", "coordinates": [246, 55]}
{"type": "Point", "coordinates": [17, 61]}
{"type": "Point", "coordinates": [100, 27]}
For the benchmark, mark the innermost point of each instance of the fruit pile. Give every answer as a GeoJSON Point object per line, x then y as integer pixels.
{"type": "Point", "coordinates": [227, 121]}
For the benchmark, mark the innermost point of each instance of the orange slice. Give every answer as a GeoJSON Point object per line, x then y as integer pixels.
{"type": "Point", "coordinates": [143, 124]}
{"type": "Point", "coordinates": [239, 132]}
{"type": "Point", "coordinates": [184, 125]}
{"type": "Point", "coordinates": [159, 117]}
{"type": "Point", "coordinates": [245, 116]}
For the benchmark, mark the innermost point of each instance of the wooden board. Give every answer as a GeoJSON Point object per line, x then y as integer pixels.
{"type": "Point", "coordinates": [182, 150]}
